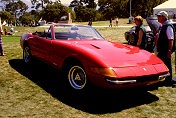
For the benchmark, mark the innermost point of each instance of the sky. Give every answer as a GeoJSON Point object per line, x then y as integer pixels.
{"type": "Point", "coordinates": [28, 2]}
{"type": "Point", "coordinates": [64, 2]}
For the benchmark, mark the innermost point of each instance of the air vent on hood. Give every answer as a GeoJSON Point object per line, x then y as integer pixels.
{"type": "Point", "coordinates": [95, 46]}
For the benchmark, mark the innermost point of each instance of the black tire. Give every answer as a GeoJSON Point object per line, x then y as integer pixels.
{"type": "Point", "coordinates": [77, 78]}
{"type": "Point", "coordinates": [27, 56]}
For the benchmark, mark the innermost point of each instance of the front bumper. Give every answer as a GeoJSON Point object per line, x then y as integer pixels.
{"type": "Point", "coordinates": [148, 80]}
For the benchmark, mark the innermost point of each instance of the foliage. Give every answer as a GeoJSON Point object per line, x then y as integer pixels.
{"type": "Point", "coordinates": [13, 7]}
{"type": "Point", "coordinates": [120, 8]}
{"type": "Point", "coordinates": [5, 16]}
{"type": "Point", "coordinates": [139, 6]}
{"type": "Point", "coordinates": [85, 10]}
{"type": "Point", "coordinates": [84, 14]}
{"type": "Point", "coordinates": [36, 15]}
{"type": "Point", "coordinates": [86, 3]}
{"type": "Point", "coordinates": [26, 19]}
{"type": "Point", "coordinates": [54, 12]}
{"type": "Point", "coordinates": [16, 8]}
{"type": "Point", "coordinates": [40, 3]}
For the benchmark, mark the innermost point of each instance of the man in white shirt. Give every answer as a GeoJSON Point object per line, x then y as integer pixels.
{"type": "Point", "coordinates": [165, 41]}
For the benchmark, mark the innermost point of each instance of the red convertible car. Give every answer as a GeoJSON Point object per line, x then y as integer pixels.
{"type": "Point", "coordinates": [86, 57]}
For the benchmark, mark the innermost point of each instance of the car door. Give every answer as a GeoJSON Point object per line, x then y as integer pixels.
{"type": "Point", "coordinates": [41, 47]}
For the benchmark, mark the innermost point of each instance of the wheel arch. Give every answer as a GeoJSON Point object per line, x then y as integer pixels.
{"type": "Point", "coordinates": [25, 44]}
{"type": "Point", "coordinates": [69, 61]}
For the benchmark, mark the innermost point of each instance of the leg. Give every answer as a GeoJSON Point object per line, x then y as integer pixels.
{"type": "Point", "coordinates": [167, 62]}
{"type": "Point", "coordinates": [169, 65]}
{"type": "Point", "coordinates": [1, 47]}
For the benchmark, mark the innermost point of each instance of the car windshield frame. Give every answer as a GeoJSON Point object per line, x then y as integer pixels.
{"type": "Point", "coordinates": [75, 32]}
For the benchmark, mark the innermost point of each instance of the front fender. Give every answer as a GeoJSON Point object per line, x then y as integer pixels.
{"type": "Point", "coordinates": [23, 38]}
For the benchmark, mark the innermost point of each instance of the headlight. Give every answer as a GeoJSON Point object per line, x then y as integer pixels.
{"type": "Point", "coordinates": [103, 71]}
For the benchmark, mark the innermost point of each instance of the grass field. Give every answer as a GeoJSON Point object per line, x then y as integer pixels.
{"type": "Point", "coordinates": [37, 92]}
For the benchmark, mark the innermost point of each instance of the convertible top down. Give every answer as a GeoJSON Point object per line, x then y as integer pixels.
{"type": "Point", "coordinates": [85, 56]}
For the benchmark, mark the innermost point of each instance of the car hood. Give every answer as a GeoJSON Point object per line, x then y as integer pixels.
{"type": "Point", "coordinates": [114, 54]}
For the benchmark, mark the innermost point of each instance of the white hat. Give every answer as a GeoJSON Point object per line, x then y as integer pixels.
{"type": "Point", "coordinates": [163, 13]}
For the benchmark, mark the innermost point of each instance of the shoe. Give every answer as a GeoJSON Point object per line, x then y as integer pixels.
{"type": "Point", "coordinates": [3, 55]}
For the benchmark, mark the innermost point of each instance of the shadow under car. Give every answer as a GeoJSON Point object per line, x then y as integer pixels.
{"type": "Point", "coordinates": [96, 101]}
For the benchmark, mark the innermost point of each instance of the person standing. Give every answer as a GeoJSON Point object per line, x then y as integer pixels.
{"type": "Point", "coordinates": [117, 21]}
{"type": "Point", "coordinates": [165, 42]}
{"type": "Point", "coordinates": [90, 23]}
{"type": "Point", "coordinates": [140, 33]}
{"type": "Point", "coordinates": [1, 45]}
{"type": "Point", "coordinates": [110, 25]}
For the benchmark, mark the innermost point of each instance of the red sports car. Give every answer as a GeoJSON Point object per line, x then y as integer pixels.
{"type": "Point", "coordinates": [85, 56]}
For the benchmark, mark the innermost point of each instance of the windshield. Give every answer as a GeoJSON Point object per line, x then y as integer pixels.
{"type": "Point", "coordinates": [76, 32]}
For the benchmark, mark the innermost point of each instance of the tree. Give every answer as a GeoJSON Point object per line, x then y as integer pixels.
{"type": "Point", "coordinates": [36, 16]}
{"type": "Point", "coordinates": [26, 19]}
{"type": "Point", "coordinates": [5, 16]}
{"type": "Point", "coordinates": [120, 8]}
{"type": "Point", "coordinates": [19, 6]}
{"type": "Point", "coordinates": [40, 3]}
{"type": "Point", "coordinates": [84, 14]}
{"type": "Point", "coordinates": [86, 3]}
{"type": "Point", "coordinates": [84, 9]}
{"type": "Point", "coordinates": [90, 4]}
{"type": "Point", "coordinates": [54, 12]}
{"type": "Point", "coordinates": [16, 8]}
{"type": "Point", "coordinates": [75, 3]}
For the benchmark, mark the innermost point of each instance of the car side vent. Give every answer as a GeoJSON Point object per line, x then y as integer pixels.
{"type": "Point", "coordinates": [95, 46]}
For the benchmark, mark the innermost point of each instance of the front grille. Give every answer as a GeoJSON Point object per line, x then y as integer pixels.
{"type": "Point", "coordinates": [142, 78]}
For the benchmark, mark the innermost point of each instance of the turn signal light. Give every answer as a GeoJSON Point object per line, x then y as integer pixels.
{"type": "Point", "coordinates": [103, 71]}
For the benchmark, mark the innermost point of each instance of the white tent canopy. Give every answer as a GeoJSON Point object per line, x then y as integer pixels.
{"type": "Point", "coordinates": [168, 6]}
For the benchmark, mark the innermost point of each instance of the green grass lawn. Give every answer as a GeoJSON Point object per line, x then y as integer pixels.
{"type": "Point", "coordinates": [37, 92]}
{"type": "Point", "coordinates": [122, 22]}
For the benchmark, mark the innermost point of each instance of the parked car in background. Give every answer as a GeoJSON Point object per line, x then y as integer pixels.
{"type": "Point", "coordinates": [84, 56]}
{"type": "Point", "coordinates": [130, 37]}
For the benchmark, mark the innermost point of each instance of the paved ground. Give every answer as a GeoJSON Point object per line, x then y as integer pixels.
{"type": "Point", "coordinates": [94, 26]}
{"type": "Point", "coordinates": [113, 26]}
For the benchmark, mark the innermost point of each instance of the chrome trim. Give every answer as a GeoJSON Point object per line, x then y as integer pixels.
{"type": "Point", "coordinates": [121, 82]}
{"type": "Point", "coordinates": [163, 76]}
